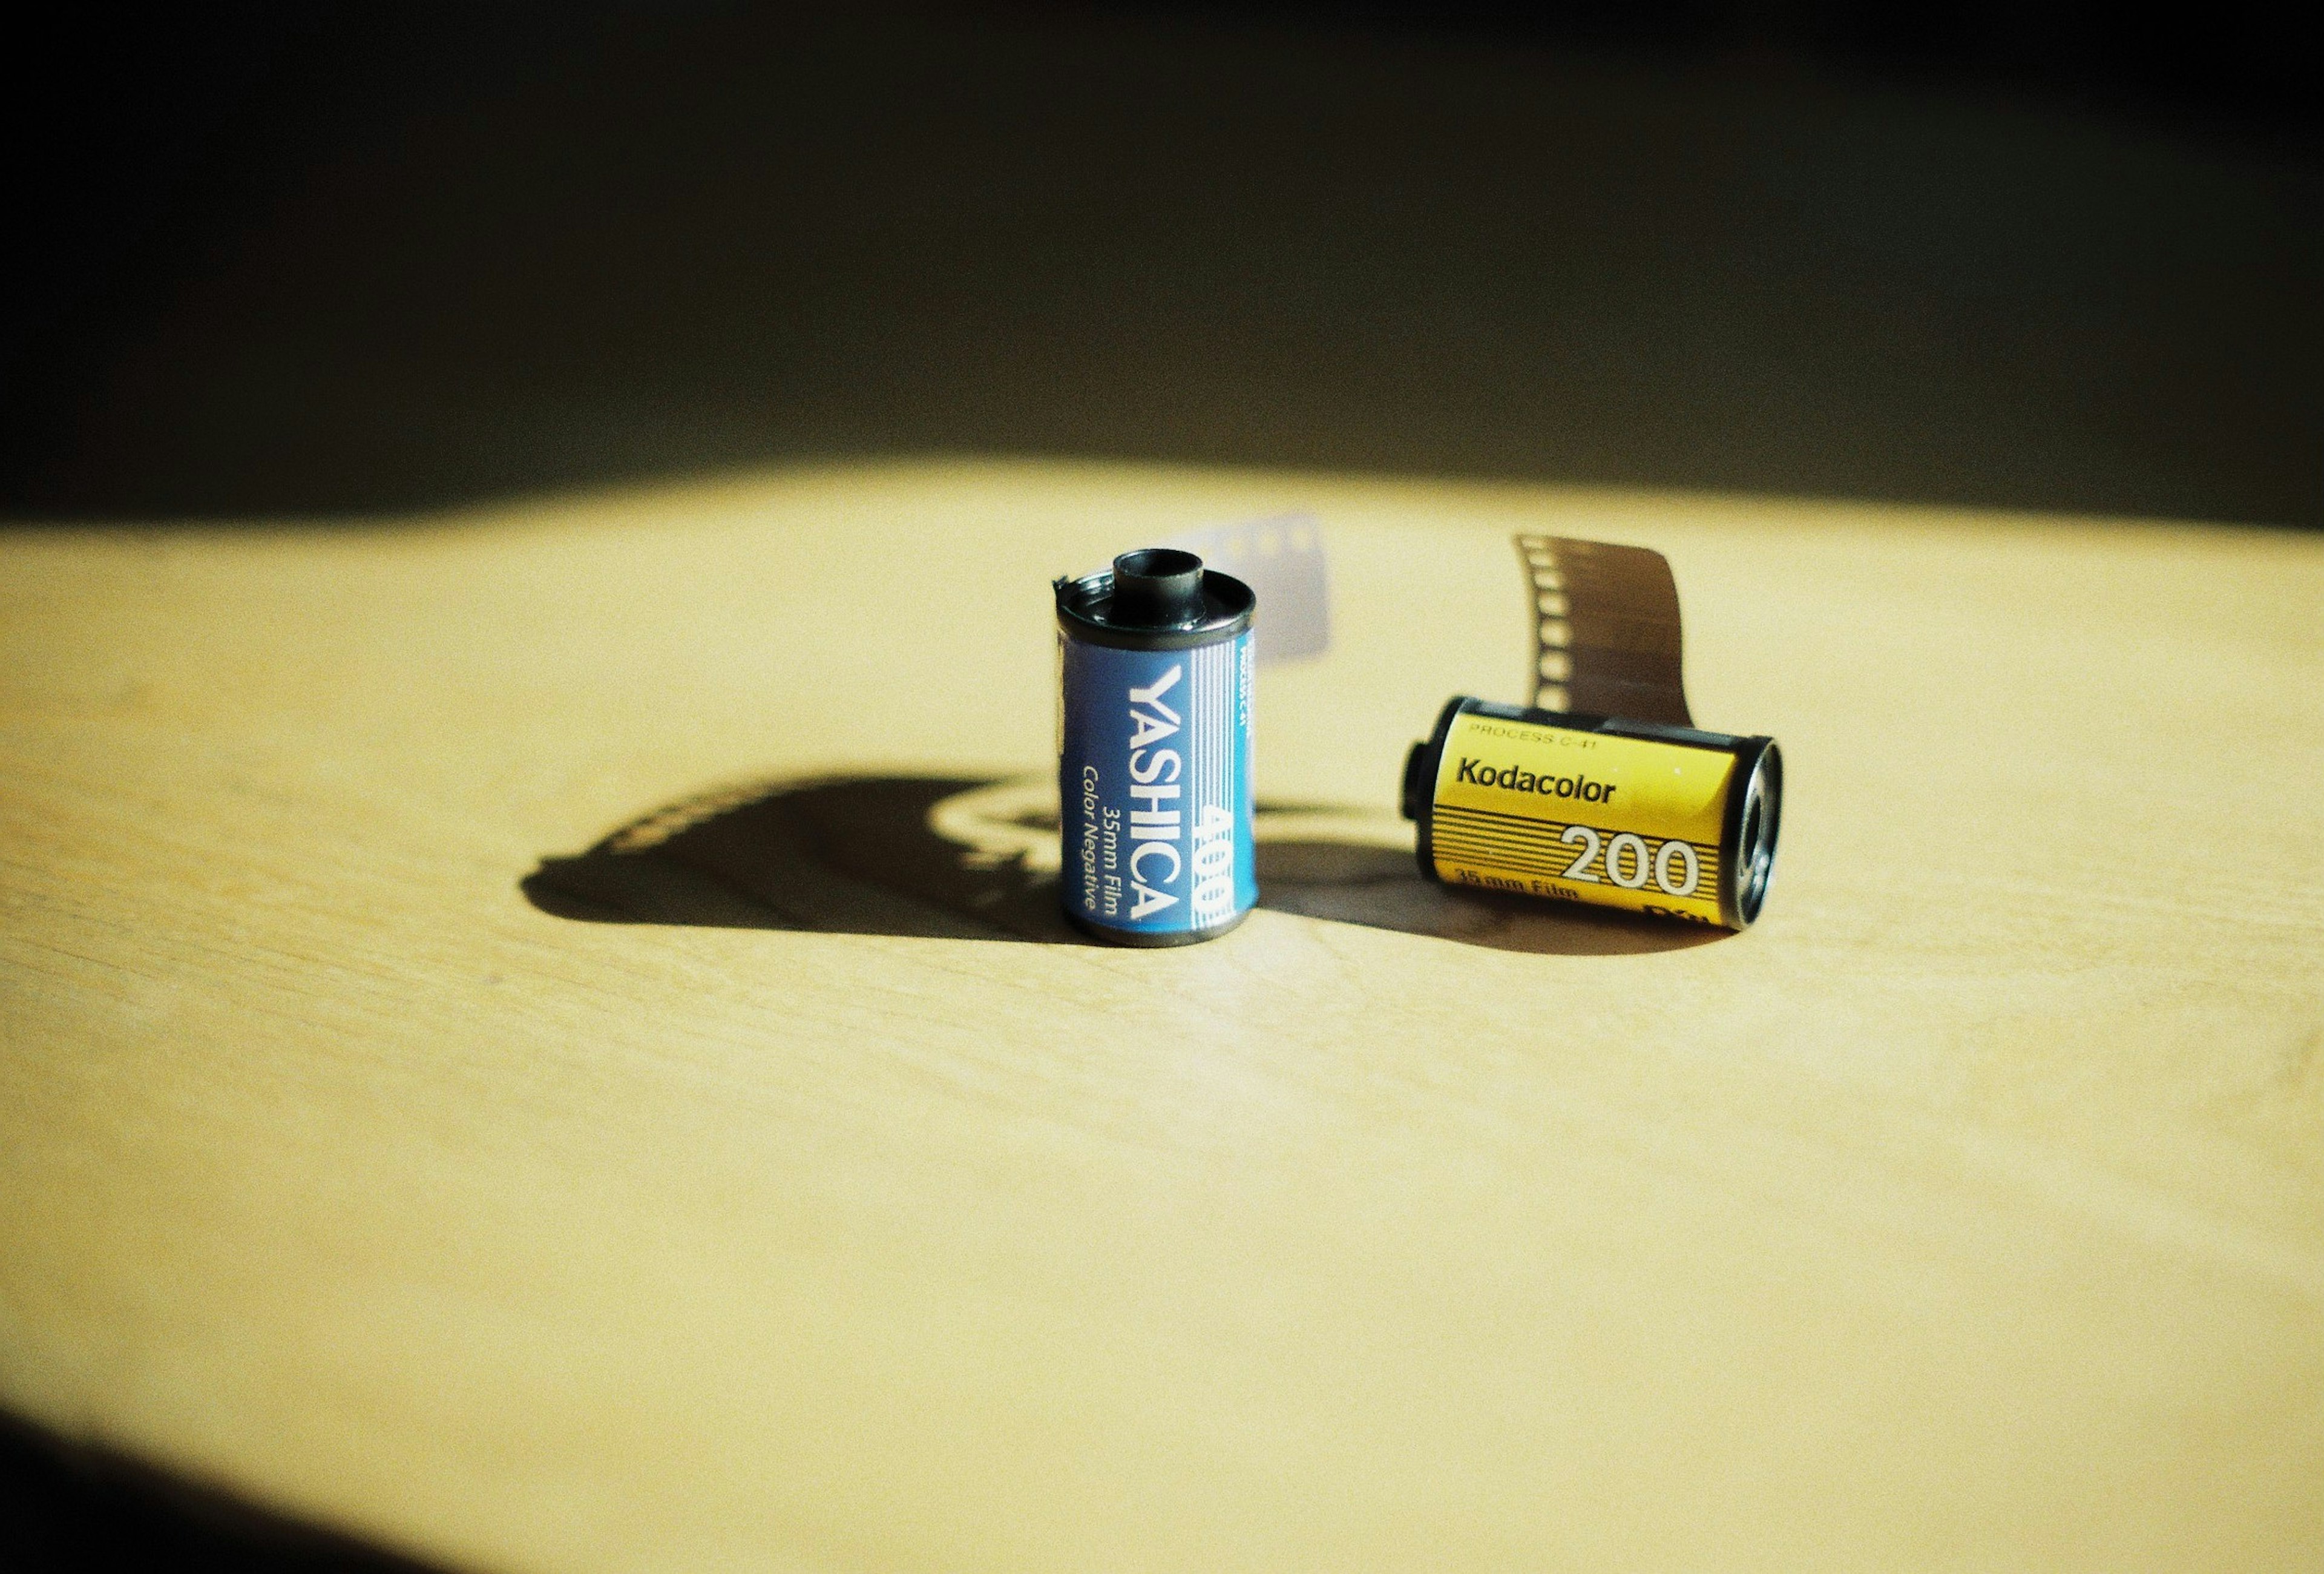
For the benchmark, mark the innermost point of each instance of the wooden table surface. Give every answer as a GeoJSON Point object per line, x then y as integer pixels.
{"type": "Point", "coordinates": [535, 1035]}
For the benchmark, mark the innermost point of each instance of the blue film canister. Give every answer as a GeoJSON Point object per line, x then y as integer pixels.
{"type": "Point", "coordinates": [1153, 749]}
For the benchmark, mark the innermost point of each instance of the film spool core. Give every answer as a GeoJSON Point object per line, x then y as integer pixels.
{"type": "Point", "coordinates": [1157, 587]}
{"type": "Point", "coordinates": [1763, 812]}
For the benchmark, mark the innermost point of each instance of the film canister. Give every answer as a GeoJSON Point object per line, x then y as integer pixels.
{"type": "Point", "coordinates": [1667, 820]}
{"type": "Point", "coordinates": [1154, 691]}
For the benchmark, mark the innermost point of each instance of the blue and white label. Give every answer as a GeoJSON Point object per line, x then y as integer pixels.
{"type": "Point", "coordinates": [1154, 785]}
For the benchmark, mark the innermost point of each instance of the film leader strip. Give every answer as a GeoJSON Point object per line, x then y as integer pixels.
{"type": "Point", "coordinates": [1536, 847]}
{"type": "Point", "coordinates": [1282, 559]}
{"type": "Point", "coordinates": [1606, 630]}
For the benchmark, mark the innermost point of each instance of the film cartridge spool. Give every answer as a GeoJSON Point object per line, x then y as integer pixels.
{"type": "Point", "coordinates": [1602, 792]}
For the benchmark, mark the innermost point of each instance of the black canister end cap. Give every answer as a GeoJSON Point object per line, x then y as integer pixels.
{"type": "Point", "coordinates": [1416, 782]}
{"type": "Point", "coordinates": [1157, 587]}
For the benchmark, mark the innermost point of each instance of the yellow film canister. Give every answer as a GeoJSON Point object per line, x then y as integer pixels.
{"type": "Point", "coordinates": [1661, 819]}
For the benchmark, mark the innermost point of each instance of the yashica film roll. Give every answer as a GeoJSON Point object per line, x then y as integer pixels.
{"type": "Point", "coordinates": [1153, 749]}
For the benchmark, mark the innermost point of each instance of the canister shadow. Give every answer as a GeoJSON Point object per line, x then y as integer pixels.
{"type": "Point", "coordinates": [71, 1505]}
{"type": "Point", "coordinates": [970, 858]}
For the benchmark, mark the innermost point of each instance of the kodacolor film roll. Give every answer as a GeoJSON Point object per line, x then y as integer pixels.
{"type": "Point", "coordinates": [1660, 819]}
{"type": "Point", "coordinates": [1602, 792]}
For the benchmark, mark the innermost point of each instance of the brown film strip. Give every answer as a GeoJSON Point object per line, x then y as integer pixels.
{"type": "Point", "coordinates": [1606, 630]}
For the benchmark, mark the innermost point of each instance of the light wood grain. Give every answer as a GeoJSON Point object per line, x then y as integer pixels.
{"type": "Point", "coordinates": [1968, 1212]}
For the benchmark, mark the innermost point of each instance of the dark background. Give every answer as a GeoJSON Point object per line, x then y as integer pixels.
{"type": "Point", "coordinates": [315, 261]}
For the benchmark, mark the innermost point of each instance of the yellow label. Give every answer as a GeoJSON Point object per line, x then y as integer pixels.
{"type": "Point", "coordinates": [1586, 815]}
